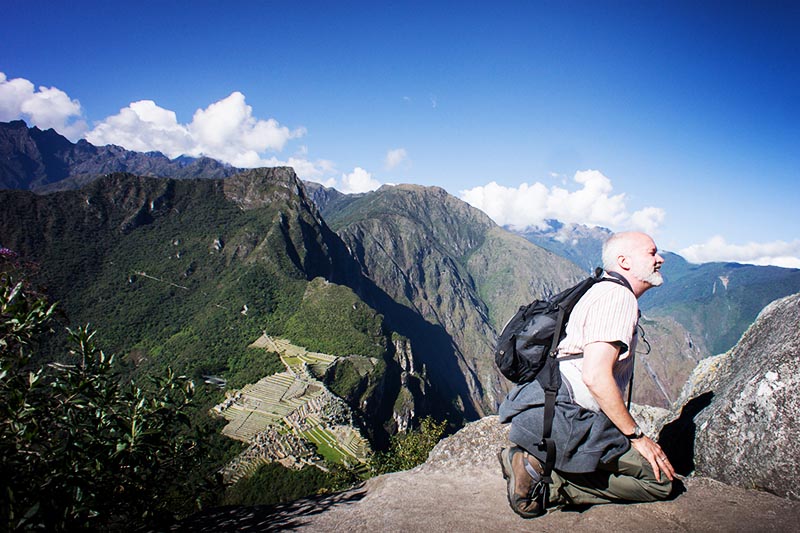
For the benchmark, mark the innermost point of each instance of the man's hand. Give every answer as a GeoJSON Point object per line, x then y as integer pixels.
{"type": "Point", "coordinates": [655, 456]}
{"type": "Point", "coordinates": [598, 364]}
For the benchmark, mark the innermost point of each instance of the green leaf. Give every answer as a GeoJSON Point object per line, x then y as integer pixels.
{"type": "Point", "coordinates": [32, 511]}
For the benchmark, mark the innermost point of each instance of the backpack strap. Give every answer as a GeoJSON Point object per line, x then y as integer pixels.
{"type": "Point", "coordinates": [623, 281]}
{"type": "Point", "coordinates": [550, 393]}
{"type": "Point", "coordinates": [620, 279]}
{"type": "Point", "coordinates": [551, 390]}
{"type": "Point", "coordinates": [548, 443]}
{"type": "Point", "coordinates": [554, 382]}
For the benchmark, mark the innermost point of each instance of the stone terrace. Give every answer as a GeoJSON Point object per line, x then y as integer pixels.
{"type": "Point", "coordinates": [279, 413]}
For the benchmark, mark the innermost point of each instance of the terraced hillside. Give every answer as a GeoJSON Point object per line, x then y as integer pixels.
{"type": "Point", "coordinates": [281, 414]}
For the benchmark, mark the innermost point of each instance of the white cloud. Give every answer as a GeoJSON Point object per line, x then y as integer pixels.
{"type": "Point", "coordinates": [593, 204]}
{"type": "Point", "coordinates": [144, 127]}
{"type": "Point", "coordinates": [225, 130]}
{"type": "Point", "coordinates": [45, 107]}
{"type": "Point", "coordinates": [395, 157]}
{"type": "Point", "coordinates": [648, 219]}
{"type": "Point", "coordinates": [359, 180]}
{"type": "Point", "coordinates": [330, 182]}
{"type": "Point", "coordinates": [776, 253]}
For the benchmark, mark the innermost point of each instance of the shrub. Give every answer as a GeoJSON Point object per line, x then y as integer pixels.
{"type": "Point", "coordinates": [79, 449]}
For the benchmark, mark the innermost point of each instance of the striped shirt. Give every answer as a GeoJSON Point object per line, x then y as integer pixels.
{"type": "Point", "coordinates": [608, 312]}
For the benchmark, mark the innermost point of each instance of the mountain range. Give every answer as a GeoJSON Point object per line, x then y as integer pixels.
{"type": "Point", "coordinates": [45, 161]}
{"type": "Point", "coordinates": [178, 270]}
{"type": "Point", "coordinates": [715, 302]}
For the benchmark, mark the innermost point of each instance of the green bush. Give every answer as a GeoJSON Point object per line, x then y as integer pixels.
{"type": "Point", "coordinates": [78, 448]}
{"type": "Point", "coordinates": [332, 319]}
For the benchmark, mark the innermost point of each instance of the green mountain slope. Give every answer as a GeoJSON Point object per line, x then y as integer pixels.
{"type": "Point", "coordinates": [188, 273]}
{"type": "Point", "coordinates": [718, 301]}
{"type": "Point", "coordinates": [449, 263]}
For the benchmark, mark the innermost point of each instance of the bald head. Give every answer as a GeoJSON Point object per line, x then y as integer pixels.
{"type": "Point", "coordinates": [635, 256]}
{"type": "Point", "coordinates": [620, 244]}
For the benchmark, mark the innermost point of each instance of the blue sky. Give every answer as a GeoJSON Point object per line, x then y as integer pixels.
{"type": "Point", "coordinates": [681, 118]}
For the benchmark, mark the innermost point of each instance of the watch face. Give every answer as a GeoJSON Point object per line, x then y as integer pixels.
{"type": "Point", "coordinates": [637, 433]}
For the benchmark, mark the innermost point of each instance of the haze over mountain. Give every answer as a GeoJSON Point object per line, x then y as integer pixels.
{"type": "Point", "coordinates": [580, 244]}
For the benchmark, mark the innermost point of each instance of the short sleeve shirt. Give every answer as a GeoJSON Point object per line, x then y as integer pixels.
{"type": "Point", "coordinates": [608, 312]}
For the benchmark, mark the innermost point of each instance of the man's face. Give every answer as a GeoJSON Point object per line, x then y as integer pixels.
{"type": "Point", "coordinates": [645, 261]}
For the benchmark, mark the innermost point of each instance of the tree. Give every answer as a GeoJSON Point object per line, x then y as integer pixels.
{"type": "Point", "coordinates": [78, 448]}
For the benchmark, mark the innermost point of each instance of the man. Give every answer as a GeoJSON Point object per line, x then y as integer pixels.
{"type": "Point", "coordinates": [602, 454]}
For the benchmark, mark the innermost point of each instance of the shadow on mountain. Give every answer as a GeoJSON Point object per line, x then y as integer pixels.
{"type": "Point", "coordinates": [431, 344]}
{"type": "Point", "coordinates": [677, 437]}
{"type": "Point", "coordinates": [433, 347]}
{"type": "Point", "coordinates": [280, 517]}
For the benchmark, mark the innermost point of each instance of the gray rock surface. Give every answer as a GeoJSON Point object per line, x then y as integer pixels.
{"type": "Point", "coordinates": [461, 489]}
{"type": "Point", "coordinates": [748, 433]}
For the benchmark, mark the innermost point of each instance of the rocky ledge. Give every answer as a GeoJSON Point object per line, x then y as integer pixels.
{"type": "Point", "coordinates": [460, 488]}
{"type": "Point", "coordinates": [730, 407]}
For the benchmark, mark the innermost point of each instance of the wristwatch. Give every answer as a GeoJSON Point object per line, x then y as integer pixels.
{"type": "Point", "coordinates": [637, 433]}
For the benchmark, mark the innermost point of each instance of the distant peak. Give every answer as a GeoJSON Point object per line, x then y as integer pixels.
{"type": "Point", "coordinates": [416, 188]}
{"type": "Point", "coordinates": [256, 187]}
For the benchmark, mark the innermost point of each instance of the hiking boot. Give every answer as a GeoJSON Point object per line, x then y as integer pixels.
{"type": "Point", "coordinates": [527, 493]}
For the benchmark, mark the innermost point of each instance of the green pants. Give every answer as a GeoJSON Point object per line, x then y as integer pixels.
{"type": "Point", "coordinates": [629, 478]}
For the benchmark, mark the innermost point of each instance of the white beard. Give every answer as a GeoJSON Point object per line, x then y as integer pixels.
{"type": "Point", "coordinates": [646, 275]}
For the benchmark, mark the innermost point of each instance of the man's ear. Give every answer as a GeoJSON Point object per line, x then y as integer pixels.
{"type": "Point", "coordinates": [623, 262]}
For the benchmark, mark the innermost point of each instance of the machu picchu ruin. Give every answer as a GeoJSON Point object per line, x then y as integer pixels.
{"type": "Point", "coordinates": [291, 417]}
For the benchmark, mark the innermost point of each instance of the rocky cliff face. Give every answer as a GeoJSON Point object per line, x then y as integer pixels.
{"type": "Point", "coordinates": [744, 408]}
{"type": "Point", "coordinates": [661, 373]}
{"type": "Point", "coordinates": [449, 263]}
{"type": "Point", "coordinates": [329, 200]}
